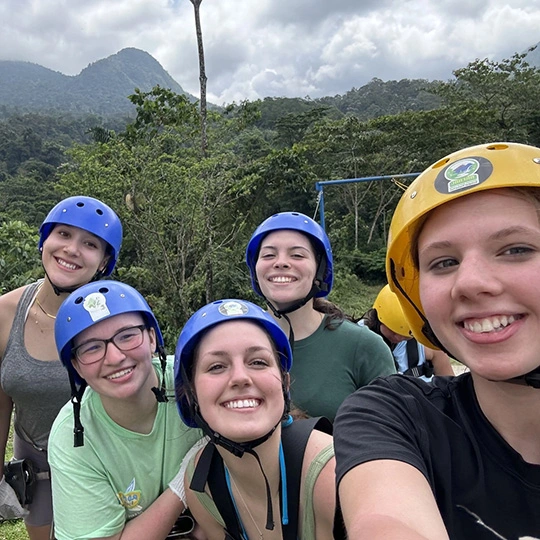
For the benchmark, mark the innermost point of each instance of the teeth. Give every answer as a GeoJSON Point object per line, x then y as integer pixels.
{"type": "Point", "coordinates": [489, 325]}
{"type": "Point", "coordinates": [119, 374]}
{"type": "Point", "coordinates": [281, 279]}
{"type": "Point", "coordinates": [242, 404]}
{"type": "Point", "coordinates": [67, 265]}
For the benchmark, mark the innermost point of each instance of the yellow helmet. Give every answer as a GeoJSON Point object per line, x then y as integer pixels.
{"type": "Point", "coordinates": [389, 312]}
{"type": "Point", "coordinates": [486, 166]}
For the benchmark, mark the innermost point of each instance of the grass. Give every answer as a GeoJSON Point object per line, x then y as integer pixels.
{"type": "Point", "coordinates": [14, 529]}
{"type": "Point", "coordinates": [355, 297]}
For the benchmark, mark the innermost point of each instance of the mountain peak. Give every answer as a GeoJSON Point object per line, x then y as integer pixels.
{"type": "Point", "coordinates": [100, 88]}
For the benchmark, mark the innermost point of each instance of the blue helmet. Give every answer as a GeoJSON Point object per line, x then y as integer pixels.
{"type": "Point", "coordinates": [92, 303]}
{"type": "Point", "coordinates": [91, 215]}
{"type": "Point", "coordinates": [302, 224]}
{"type": "Point", "coordinates": [204, 319]}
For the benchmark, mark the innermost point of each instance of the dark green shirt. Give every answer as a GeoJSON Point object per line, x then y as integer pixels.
{"type": "Point", "coordinates": [331, 364]}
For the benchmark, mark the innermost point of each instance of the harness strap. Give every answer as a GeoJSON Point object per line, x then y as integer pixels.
{"type": "Point", "coordinates": [412, 353]}
{"type": "Point", "coordinates": [210, 468]}
{"type": "Point", "coordinates": [294, 439]}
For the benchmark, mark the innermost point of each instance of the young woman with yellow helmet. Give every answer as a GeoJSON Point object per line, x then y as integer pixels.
{"type": "Point", "coordinates": [457, 457]}
{"type": "Point", "coordinates": [412, 358]}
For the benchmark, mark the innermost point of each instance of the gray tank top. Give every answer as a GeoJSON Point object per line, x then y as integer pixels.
{"type": "Point", "coordinates": [38, 388]}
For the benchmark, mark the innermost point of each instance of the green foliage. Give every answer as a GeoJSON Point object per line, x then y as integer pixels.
{"type": "Point", "coordinates": [379, 98]}
{"type": "Point", "coordinates": [508, 91]}
{"type": "Point", "coordinates": [370, 266]}
{"type": "Point", "coordinates": [353, 295]}
{"type": "Point", "coordinates": [187, 219]}
{"type": "Point", "coordinates": [20, 262]}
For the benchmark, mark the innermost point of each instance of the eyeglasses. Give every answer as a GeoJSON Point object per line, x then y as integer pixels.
{"type": "Point", "coordinates": [94, 350]}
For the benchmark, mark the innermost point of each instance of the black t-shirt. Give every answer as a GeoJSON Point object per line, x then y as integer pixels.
{"type": "Point", "coordinates": [483, 487]}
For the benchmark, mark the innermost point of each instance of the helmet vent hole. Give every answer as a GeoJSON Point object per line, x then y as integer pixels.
{"type": "Point", "coordinates": [99, 212]}
{"type": "Point", "coordinates": [497, 147]}
{"type": "Point", "coordinates": [80, 204]}
{"type": "Point", "coordinates": [79, 300]}
{"type": "Point", "coordinates": [104, 290]}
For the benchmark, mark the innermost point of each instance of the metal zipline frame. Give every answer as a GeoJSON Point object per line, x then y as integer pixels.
{"type": "Point", "coordinates": [319, 186]}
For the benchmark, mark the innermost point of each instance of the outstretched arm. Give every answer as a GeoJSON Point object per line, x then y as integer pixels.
{"type": "Point", "coordinates": [155, 523]}
{"type": "Point", "coordinates": [380, 500]}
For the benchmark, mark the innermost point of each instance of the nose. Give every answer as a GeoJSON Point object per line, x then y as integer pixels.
{"type": "Point", "coordinates": [239, 375]}
{"type": "Point", "coordinates": [476, 276]}
{"type": "Point", "coordinates": [281, 261]}
{"type": "Point", "coordinates": [72, 247]}
{"type": "Point", "coordinates": [113, 354]}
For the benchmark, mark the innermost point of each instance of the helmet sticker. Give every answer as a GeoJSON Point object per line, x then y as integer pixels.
{"type": "Point", "coordinates": [463, 174]}
{"type": "Point", "coordinates": [230, 309]}
{"type": "Point", "coordinates": [96, 305]}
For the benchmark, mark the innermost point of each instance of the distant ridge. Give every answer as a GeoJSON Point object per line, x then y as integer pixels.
{"type": "Point", "coordinates": [101, 88]}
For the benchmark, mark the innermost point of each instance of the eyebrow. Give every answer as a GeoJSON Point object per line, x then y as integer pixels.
{"type": "Point", "coordinates": [498, 235]}
{"type": "Point", "coordinates": [252, 349]}
{"type": "Point", "coordinates": [127, 327]}
{"type": "Point", "coordinates": [268, 246]}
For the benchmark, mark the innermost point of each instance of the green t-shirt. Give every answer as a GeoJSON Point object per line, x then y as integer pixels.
{"type": "Point", "coordinates": [331, 364]}
{"type": "Point", "coordinates": [118, 473]}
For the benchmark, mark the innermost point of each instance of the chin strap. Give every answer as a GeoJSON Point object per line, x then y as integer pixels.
{"type": "Point", "coordinates": [529, 379]}
{"type": "Point", "coordinates": [61, 290]}
{"type": "Point", "coordinates": [161, 392]}
{"type": "Point", "coordinates": [76, 398]}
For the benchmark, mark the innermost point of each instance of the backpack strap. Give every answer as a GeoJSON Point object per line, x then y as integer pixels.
{"type": "Point", "coordinates": [416, 370]}
{"type": "Point", "coordinates": [412, 353]}
{"type": "Point", "coordinates": [211, 469]}
{"type": "Point", "coordinates": [294, 438]}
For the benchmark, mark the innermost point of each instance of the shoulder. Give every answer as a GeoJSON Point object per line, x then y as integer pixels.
{"type": "Point", "coordinates": [317, 442]}
{"type": "Point", "coordinates": [8, 304]}
{"type": "Point", "coordinates": [61, 435]}
{"type": "Point", "coordinates": [8, 308]}
{"type": "Point", "coordinates": [401, 388]}
{"type": "Point", "coordinates": [355, 333]}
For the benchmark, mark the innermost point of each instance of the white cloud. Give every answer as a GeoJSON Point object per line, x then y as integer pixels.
{"type": "Point", "coordinates": [273, 47]}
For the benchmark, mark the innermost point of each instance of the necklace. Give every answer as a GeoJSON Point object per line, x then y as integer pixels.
{"type": "Point", "coordinates": [50, 315]}
{"type": "Point", "coordinates": [261, 535]}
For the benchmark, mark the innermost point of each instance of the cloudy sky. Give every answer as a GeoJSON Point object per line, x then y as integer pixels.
{"type": "Point", "coordinates": [260, 48]}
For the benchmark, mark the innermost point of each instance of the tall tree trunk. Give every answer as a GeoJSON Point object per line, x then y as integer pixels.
{"type": "Point", "coordinates": [202, 76]}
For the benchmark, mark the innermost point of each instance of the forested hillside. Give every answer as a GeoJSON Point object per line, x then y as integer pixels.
{"type": "Point", "coordinates": [188, 215]}
{"type": "Point", "coordinates": [101, 88]}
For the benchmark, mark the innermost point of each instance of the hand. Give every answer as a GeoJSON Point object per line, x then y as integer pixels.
{"type": "Point", "coordinates": [10, 507]}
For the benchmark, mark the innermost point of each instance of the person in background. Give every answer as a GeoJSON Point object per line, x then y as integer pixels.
{"type": "Point", "coordinates": [460, 456]}
{"type": "Point", "coordinates": [79, 241]}
{"type": "Point", "coordinates": [257, 474]}
{"type": "Point", "coordinates": [291, 265]}
{"type": "Point", "coordinates": [115, 448]}
{"type": "Point", "coordinates": [412, 358]}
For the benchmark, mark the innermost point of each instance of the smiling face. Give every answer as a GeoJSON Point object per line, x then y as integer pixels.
{"type": "Point", "coordinates": [286, 267]}
{"type": "Point", "coordinates": [120, 375]}
{"type": "Point", "coordinates": [237, 381]}
{"type": "Point", "coordinates": [479, 263]}
{"type": "Point", "coordinates": [71, 256]}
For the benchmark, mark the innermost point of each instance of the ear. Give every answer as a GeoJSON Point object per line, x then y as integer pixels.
{"type": "Point", "coordinates": [153, 339]}
{"type": "Point", "coordinates": [104, 263]}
